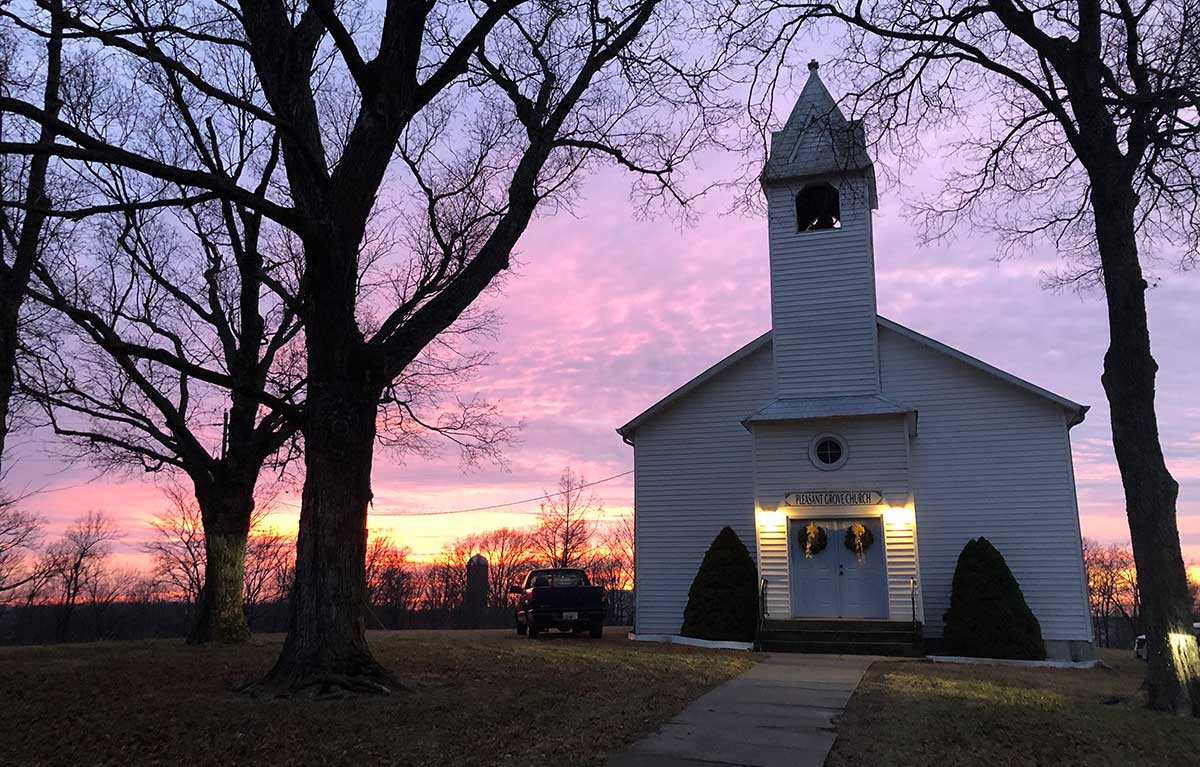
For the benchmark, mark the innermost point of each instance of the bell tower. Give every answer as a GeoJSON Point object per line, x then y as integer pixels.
{"type": "Point", "coordinates": [819, 184]}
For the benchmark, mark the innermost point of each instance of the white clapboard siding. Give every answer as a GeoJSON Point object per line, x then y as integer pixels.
{"type": "Point", "coordinates": [693, 476]}
{"type": "Point", "coordinates": [773, 565]}
{"type": "Point", "coordinates": [823, 296]}
{"type": "Point", "coordinates": [904, 581]}
{"type": "Point", "coordinates": [877, 459]}
{"type": "Point", "coordinates": [990, 459]}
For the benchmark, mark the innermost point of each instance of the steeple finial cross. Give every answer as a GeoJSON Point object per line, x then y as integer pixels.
{"type": "Point", "coordinates": [813, 65]}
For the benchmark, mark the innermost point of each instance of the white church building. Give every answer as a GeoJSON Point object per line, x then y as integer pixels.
{"type": "Point", "coordinates": [840, 420]}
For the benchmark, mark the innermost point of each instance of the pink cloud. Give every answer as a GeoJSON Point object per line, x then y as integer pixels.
{"type": "Point", "coordinates": [608, 312]}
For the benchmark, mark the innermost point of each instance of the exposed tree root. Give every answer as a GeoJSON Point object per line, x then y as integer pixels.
{"type": "Point", "coordinates": [322, 684]}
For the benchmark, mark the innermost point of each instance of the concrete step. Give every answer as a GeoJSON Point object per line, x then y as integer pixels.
{"type": "Point", "coordinates": [843, 647]}
{"type": "Point", "coordinates": [837, 624]}
{"type": "Point", "coordinates": [806, 635]}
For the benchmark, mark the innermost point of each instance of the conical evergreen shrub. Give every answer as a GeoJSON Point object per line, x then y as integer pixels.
{"type": "Point", "coordinates": [723, 601]}
{"type": "Point", "coordinates": [988, 615]}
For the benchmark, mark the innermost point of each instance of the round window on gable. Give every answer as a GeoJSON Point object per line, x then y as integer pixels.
{"type": "Point", "coordinates": [818, 206]}
{"type": "Point", "coordinates": [828, 452]}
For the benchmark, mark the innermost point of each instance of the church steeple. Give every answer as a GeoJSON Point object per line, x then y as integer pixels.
{"type": "Point", "coordinates": [818, 140]}
{"type": "Point", "coordinates": [820, 188]}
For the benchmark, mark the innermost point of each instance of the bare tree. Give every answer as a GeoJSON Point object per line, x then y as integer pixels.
{"type": "Point", "coordinates": [149, 415]}
{"type": "Point", "coordinates": [268, 553]}
{"type": "Point", "coordinates": [565, 535]}
{"type": "Point", "coordinates": [283, 575]}
{"type": "Point", "coordinates": [104, 586]}
{"type": "Point", "coordinates": [393, 589]}
{"type": "Point", "coordinates": [78, 559]}
{"type": "Point", "coordinates": [611, 565]}
{"type": "Point", "coordinates": [20, 533]}
{"type": "Point", "coordinates": [380, 553]}
{"type": "Point", "coordinates": [148, 312]}
{"type": "Point", "coordinates": [475, 113]}
{"type": "Point", "coordinates": [1101, 590]}
{"type": "Point", "coordinates": [179, 552]}
{"type": "Point", "coordinates": [1194, 592]}
{"type": "Point", "coordinates": [1112, 587]}
{"type": "Point", "coordinates": [619, 540]}
{"type": "Point", "coordinates": [177, 547]}
{"type": "Point", "coordinates": [509, 554]}
{"type": "Point", "coordinates": [144, 590]}
{"type": "Point", "coordinates": [164, 299]}
{"type": "Point", "coordinates": [25, 188]}
{"type": "Point", "coordinates": [508, 550]}
{"type": "Point", "coordinates": [443, 583]}
{"type": "Point", "coordinates": [1090, 141]}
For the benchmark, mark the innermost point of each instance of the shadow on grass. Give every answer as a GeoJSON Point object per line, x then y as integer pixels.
{"type": "Point", "coordinates": [474, 697]}
{"type": "Point", "coordinates": [923, 713]}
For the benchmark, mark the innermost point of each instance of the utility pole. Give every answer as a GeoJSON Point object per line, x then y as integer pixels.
{"type": "Point", "coordinates": [224, 433]}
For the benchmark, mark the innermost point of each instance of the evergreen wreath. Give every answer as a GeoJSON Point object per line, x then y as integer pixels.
{"type": "Point", "coordinates": [859, 538]}
{"type": "Point", "coordinates": [815, 540]}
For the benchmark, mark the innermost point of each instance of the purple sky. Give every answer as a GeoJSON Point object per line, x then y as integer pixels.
{"type": "Point", "coordinates": [607, 313]}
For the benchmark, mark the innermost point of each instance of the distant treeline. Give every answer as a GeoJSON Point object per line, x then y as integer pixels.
{"type": "Point", "coordinates": [39, 623]}
{"type": "Point", "coordinates": [71, 589]}
{"type": "Point", "coordinates": [1115, 594]}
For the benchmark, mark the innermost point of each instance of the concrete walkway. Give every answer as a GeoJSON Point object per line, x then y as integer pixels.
{"type": "Point", "coordinates": [778, 714]}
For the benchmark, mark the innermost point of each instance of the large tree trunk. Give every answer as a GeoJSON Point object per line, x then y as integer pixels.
{"type": "Point", "coordinates": [14, 277]}
{"type": "Point", "coordinates": [220, 612]}
{"type": "Point", "coordinates": [64, 620]}
{"type": "Point", "coordinates": [326, 648]}
{"type": "Point", "coordinates": [12, 294]}
{"type": "Point", "coordinates": [1173, 673]}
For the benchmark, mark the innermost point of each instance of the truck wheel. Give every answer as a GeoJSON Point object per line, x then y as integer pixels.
{"type": "Point", "coordinates": [521, 627]}
{"type": "Point", "coordinates": [597, 630]}
{"type": "Point", "coordinates": [533, 631]}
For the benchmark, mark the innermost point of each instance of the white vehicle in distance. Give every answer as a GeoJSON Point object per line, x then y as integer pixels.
{"type": "Point", "coordinates": [1139, 644]}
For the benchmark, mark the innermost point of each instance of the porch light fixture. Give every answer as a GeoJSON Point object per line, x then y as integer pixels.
{"type": "Point", "coordinates": [769, 518]}
{"type": "Point", "coordinates": [899, 515]}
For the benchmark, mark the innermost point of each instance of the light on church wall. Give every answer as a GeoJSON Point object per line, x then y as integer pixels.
{"type": "Point", "coordinates": [900, 515]}
{"type": "Point", "coordinates": [767, 518]}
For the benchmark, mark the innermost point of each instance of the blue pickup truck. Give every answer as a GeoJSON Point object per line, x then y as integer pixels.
{"type": "Point", "coordinates": [558, 598]}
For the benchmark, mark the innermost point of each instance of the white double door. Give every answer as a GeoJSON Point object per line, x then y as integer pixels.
{"type": "Point", "coordinates": [835, 582]}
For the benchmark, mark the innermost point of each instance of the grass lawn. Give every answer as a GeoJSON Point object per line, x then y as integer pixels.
{"type": "Point", "coordinates": [473, 698]}
{"type": "Point", "coordinates": [922, 713]}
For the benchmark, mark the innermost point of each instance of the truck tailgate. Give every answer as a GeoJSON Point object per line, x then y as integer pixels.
{"type": "Point", "coordinates": [571, 597]}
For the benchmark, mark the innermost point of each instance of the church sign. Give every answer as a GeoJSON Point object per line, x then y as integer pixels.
{"type": "Point", "coordinates": [834, 498]}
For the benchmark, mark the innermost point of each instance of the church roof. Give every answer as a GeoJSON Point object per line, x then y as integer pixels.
{"type": "Point", "coordinates": [826, 407]}
{"type": "Point", "coordinates": [682, 391]}
{"type": "Point", "coordinates": [817, 140]}
{"type": "Point", "coordinates": [1075, 408]}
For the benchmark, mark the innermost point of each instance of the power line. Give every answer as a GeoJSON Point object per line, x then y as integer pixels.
{"type": "Point", "coordinates": [545, 497]}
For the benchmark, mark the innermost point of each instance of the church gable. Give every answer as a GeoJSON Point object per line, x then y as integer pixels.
{"type": "Point", "coordinates": [768, 403]}
{"type": "Point", "coordinates": [907, 347]}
